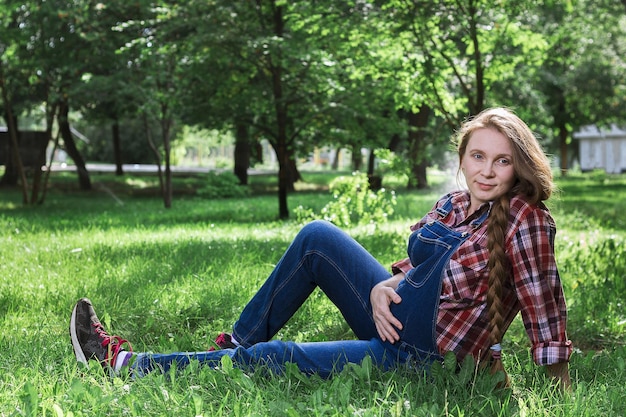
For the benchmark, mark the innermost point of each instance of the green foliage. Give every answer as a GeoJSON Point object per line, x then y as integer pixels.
{"type": "Point", "coordinates": [170, 280]}
{"type": "Point", "coordinates": [221, 185]}
{"type": "Point", "coordinates": [132, 139]}
{"type": "Point", "coordinates": [390, 162]}
{"type": "Point", "coordinates": [598, 292]}
{"type": "Point", "coordinates": [465, 381]}
{"type": "Point", "coordinates": [339, 75]}
{"type": "Point", "coordinates": [354, 203]}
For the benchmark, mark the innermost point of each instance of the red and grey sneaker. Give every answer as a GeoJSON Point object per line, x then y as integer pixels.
{"type": "Point", "coordinates": [223, 341]}
{"type": "Point", "coordinates": [90, 340]}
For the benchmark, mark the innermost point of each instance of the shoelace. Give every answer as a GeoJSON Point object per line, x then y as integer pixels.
{"type": "Point", "coordinates": [223, 341]}
{"type": "Point", "coordinates": [112, 343]}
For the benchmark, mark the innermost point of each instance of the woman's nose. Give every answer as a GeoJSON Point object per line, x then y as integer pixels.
{"type": "Point", "coordinates": [487, 170]}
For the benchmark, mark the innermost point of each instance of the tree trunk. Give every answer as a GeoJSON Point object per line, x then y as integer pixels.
{"type": "Point", "coordinates": [166, 126]}
{"type": "Point", "coordinates": [335, 165]}
{"type": "Point", "coordinates": [15, 165]}
{"type": "Point", "coordinates": [357, 159]}
{"type": "Point", "coordinates": [417, 147]}
{"type": "Point", "coordinates": [560, 121]}
{"type": "Point", "coordinates": [563, 134]}
{"type": "Point", "coordinates": [51, 114]}
{"type": "Point", "coordinates": [283, 162]}
{"type": "Point", "coordinates": [117, 147]}
{"type": "Point", "coordinates": [40, 161]}
{"type": "Point", "coordinates": [293, 174]}
{"type": "Point", "coordinates": [280, 109]}
{"type": "Point", "coordinates": [375, 180]}
{"type": "Point", "coordinates": [258, 152]}
{"type": "Point", "coordinates": [48, 170]}
{"type": "Point", "coordinates": [155, 152]}
{"type": "Point", "coordinates": [394, 143]}
{"type": "Point", "coordinates": [11, 175]}
{"type": "Point", "coordinates": [16, 157]}
{"type": "Point", "coordinates": [242, 153]}
{"type": "Point", "coordinates": [13, 168]}
{"type": "Point", "coordinates": [70, 147]}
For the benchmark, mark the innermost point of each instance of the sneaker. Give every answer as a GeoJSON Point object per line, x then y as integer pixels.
{"type": "Point", "coordinates": [90, 340]}
{"type": "Point", "coordinates": [223, 341]}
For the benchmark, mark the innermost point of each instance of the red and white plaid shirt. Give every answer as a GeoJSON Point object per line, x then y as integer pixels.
{"type": "Point", "coordinates": [534, 288]}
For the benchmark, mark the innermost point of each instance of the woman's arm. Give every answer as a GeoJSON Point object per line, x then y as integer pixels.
{"type": "Point", "coordinates": [381, 297]}
{"type": "Point", "coordinates": [539, 291]}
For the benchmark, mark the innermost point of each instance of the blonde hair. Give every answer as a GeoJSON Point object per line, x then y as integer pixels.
{"type": "Point", "coordinates": [534, 181]}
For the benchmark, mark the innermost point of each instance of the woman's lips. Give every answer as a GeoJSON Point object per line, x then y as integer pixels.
{"type": "Point", "coordinates": [485, 187]}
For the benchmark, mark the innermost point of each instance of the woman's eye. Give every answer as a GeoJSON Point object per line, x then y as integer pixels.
{"type": "Point", "coordinates": [503, 161]}
{"type": "Point", "coordinates": [477, 156]}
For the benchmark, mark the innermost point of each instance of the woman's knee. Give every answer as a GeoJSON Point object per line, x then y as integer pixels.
{"type": "Point", "coordinates": [318, 230]}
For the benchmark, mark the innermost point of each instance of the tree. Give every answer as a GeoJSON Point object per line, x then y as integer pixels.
{"type": "Point", "coordinates": [14, 158]}
{"type": "Point", "coordinates": [106, 94]}
{"type": "Point", "coordinates": [8, 40]}
{"type": "Point", "coordinates": [50, 48]}
{"type": "Point", "coordinates": [584, 68]}
{"type": "Point", "coordinates": [157, 58]}
{"type": "Point", "coordinates": [276, 78]}
{"type": "Point", "coordinates": [46, 45]}
{"type": "Point", "coordinates": [442, 59]}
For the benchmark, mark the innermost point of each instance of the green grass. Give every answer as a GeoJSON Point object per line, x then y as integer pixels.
{"type": "Point", "coordinates": [172, 279]}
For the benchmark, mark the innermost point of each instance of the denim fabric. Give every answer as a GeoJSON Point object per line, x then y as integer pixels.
{"type": "Point", "coordinates": [324, 256]}
{"type": "Point", "coordinates": [320, 358]}
{"type": "Point", "coordinates": [429, 249]}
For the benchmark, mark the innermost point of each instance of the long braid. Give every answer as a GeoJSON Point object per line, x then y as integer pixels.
{"type": "Point", "coordinates": [533, 181]}
{"type": "Point", "coordinates": [498, 273]}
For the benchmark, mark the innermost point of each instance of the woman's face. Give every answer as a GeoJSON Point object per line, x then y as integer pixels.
{"type": "Point", "coordinates": [487, 165]}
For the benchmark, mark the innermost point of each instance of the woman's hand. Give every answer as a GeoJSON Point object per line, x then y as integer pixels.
{"type": "Point", "coordinates": [381, 297]}
{"type": "Point", "coordinates": [560, 373]}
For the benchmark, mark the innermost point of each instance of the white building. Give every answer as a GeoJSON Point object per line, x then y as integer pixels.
{"type": "Point", "coordinates": [602, 149]}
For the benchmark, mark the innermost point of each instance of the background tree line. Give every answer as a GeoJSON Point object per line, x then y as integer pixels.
{"type": "Point", "coordinates": [395, 74]}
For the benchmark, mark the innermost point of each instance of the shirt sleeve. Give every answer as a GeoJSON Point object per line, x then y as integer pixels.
{"type": "Point", "coordinates": [539, 289]}
{"type": "Point", "coordinates": [403, 265]}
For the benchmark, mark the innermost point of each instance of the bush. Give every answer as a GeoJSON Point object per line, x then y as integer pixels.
{"type": "Point", "coordinates": [354, 203]}
{"type": "Point", "coordinates": [222, 185]}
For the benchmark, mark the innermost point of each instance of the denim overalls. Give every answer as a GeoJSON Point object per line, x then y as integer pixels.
{"type": "Point", "coordinates": [323, 256]}
{"type": "Point", "coordinates": [430, 248]}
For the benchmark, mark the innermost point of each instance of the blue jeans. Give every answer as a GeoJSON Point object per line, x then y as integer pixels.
{"type": "Point", "coordinates": [324, 256]}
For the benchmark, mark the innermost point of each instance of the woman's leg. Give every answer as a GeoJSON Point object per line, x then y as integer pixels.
{"type": "Point", "coordinates": [323, 256]}
{"type": "Point", "coordinates": [91, 342]}
{"type": "Point", "coordinates": [321, 358]}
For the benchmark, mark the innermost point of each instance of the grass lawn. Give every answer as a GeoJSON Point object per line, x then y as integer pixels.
{"type": "Point", "coordinates": [172, 279]}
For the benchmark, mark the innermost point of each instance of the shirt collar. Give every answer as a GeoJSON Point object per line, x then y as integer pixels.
{"type": "Point", "coordinates": [461, 202]}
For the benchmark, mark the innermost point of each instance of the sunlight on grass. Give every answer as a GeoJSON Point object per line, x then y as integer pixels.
{"type": "Point", "coordinates": [172, 279]}
{"type": "Point", "coordinates": [141, 182]}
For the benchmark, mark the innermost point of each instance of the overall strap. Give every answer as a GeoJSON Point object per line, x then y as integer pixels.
{"type": "Point", "coordinates": [445, 208]}
{"type": "Point", "coordinates": [481, 219]}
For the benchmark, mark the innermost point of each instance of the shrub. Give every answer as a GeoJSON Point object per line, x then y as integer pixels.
{"type": "Point", "coordinates": [222, 185]}
{"type": "Point", "coordinates": [354, 203]}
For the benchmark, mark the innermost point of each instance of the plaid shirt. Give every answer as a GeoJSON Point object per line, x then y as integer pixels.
{"type": "Point", "coordinates": [534, 288]}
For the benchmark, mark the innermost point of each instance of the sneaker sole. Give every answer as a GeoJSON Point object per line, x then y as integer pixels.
{"type": "Point", "coordinates": [78, 351]}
